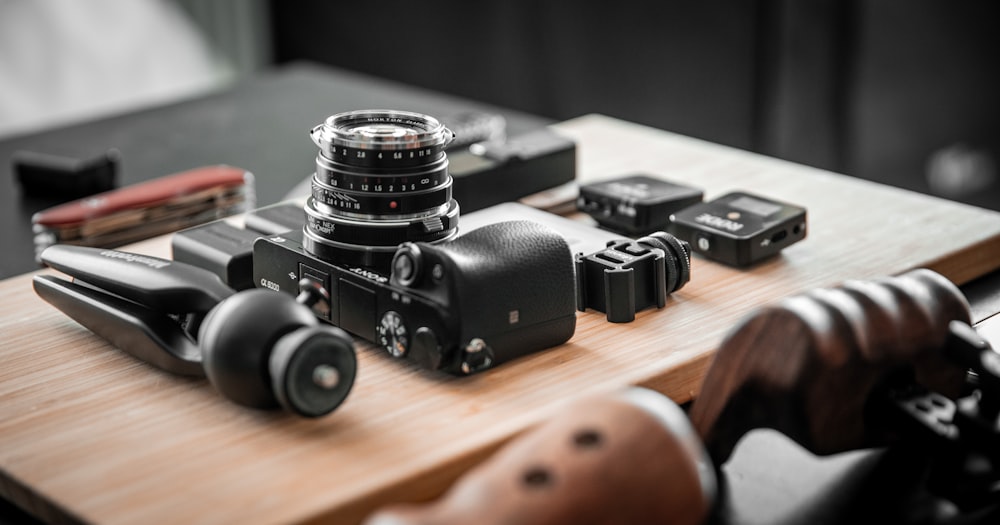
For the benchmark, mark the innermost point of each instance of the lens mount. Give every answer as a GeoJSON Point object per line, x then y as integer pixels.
{"type": "Point", "coordinates": [385, 231]}
{"type": "Point", "coordinates": [372, 243]}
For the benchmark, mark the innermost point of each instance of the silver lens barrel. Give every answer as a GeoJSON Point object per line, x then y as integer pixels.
{"type": "Point", "coordinates": [381, 179]}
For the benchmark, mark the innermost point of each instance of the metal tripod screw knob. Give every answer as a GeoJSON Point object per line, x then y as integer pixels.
{"type": "Point", "coordinates": [477, 356]}
{"type": "Point", "coordinates": [326, 376]}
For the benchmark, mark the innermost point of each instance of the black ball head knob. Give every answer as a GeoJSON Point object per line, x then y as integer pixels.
{"type": "Point", "coordinates": [263, 349]}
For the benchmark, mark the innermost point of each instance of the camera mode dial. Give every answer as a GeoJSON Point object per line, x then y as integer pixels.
{"type": "Point", "coordinates": [392, 334]}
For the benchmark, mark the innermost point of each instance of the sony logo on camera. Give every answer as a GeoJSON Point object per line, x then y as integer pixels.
{"type": "Point", "coordinates": [368, 274]}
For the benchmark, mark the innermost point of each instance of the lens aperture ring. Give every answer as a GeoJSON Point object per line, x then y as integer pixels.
{"type": "Point", "coordinates": [382, 159]}
{"type": "Point", "coordinates": [382, 138]}
{"type": "Point", "coordinates": [341, 230]}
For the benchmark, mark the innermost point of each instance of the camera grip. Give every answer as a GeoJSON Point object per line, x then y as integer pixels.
{"type": "Point", "coordinates": [511, 285]}
{"type": "Point", "coordinates": [631, 457]}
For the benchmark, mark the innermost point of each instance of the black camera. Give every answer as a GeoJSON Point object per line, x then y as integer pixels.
{"type": "Point", "coordinates": [381, 242]}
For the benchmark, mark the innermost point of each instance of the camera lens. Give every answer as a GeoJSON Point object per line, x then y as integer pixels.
{"type": "Point", "coordinates": [381, 179]}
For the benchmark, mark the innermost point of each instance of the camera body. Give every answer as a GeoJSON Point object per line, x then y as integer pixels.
{"type": "Point", "coordinates": [380, 254]}
{"type": "Point", "coordinates": [461, 306]}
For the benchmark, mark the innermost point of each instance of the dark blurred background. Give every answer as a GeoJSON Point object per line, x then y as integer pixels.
{"type": "Point", "coordinates": [905, 92]}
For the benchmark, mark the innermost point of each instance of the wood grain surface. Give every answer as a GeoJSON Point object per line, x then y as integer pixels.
{"type": "Point", "coordinates": [87, 433]}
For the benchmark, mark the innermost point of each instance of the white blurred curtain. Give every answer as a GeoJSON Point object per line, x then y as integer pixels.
{"type": "Point", "coordinates": [63, 61]}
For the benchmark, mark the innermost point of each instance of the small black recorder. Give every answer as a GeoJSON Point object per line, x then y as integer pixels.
{"type": "Point", "coordinates": [635, 205]}
{"type": "Point", "coordinates": [739, 228]}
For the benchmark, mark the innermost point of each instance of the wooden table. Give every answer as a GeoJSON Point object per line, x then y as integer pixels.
{"type": "Point", "coordinates": [88, 433]}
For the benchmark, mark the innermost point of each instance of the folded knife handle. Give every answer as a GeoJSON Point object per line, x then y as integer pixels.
{"type": "Point", "coordinates": [145, 194]}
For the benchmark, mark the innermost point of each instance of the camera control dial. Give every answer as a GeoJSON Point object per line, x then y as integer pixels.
{"type": "Point", "coordinates": [392, 334]}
